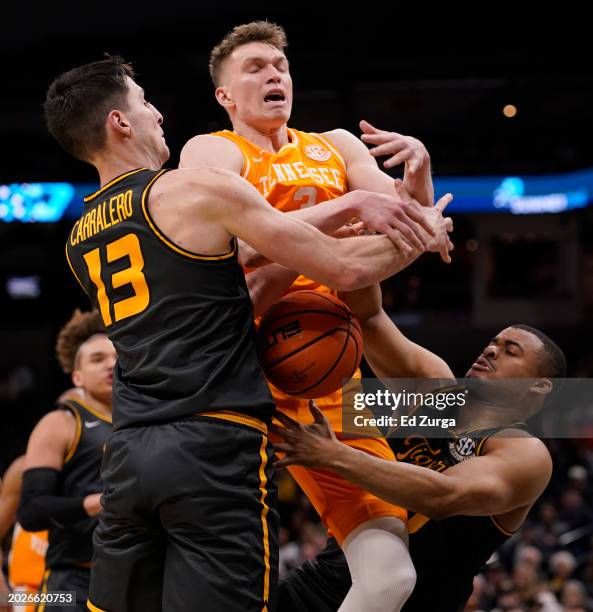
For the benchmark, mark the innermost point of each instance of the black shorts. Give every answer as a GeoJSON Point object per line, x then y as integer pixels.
{"type": "Point", "coordinates": [319, 585]}
{"type": "Point", "coordinates": [66, 579]}
{"type": "Point", "coordinates": [189, 519]}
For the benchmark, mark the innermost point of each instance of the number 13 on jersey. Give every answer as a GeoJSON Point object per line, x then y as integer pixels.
{"type": "Point", "coordinates": [127, 246]}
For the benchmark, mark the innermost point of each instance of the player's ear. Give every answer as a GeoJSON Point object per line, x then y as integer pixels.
{"type": "Point", "coordinates": [77, 379]}
{"type": "Point", "coordinates": [542, 386]}
{"type": "Point", "coordinates": [223, 97]}
{"type": "Point", "coordinates": [118, 121]}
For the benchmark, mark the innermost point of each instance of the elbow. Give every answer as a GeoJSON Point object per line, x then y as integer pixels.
{"type": "Point", "coordinates": [438, 509]}
{"type": "Point", "coordinates": [29, 519]}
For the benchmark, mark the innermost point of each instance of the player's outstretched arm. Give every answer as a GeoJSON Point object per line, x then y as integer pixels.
{"type": "Point", "coordinates": [364, 173]}
{"type": "Point", "coordinates": [378, 212]}
{"type": "Point", "coordinates": [512, 473]}
{"type": "Point", "coordinates": [389, 353]}
{"type": "Point", "coordinates": [346, 264]}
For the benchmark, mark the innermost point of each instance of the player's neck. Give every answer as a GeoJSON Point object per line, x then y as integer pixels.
{"type": "Point", "coordinates": [114, 164]}
{"type": "Point", "coordinates": [477, 414]}
{"type": "Point", "coordinates": [271, 140]}
{"type": "Point", "coordinates": [97, 405]}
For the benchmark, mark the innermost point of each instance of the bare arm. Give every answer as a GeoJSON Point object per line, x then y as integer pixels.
{"type": "Point", "coordinates": [209, 151]}
{"type": "Point", "coordinates": [226, 205]}
{"type": "Point", "coordinates": [337, 263]}
{"type": "Point", "coordinates": [389, 353]}
{"type": "Point", "coordinates": [512, 473]}
{"type": "Point", "coordinates": [267, 285]}
{"type": "Point", "coordinates": [364, 173]}
{"type": "Point", "coordinates": [381, 214]}
{"type": "Point", "coordinates": [48, 446]}
{"type": "Point", "coordinates": [10, 495]}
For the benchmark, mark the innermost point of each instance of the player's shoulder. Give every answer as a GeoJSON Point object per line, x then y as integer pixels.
{"type": "Point", "coordinates": [190, 191]}
{"type": "Point", "coordinates": [56, 421]}
{"type": "Point", "coordinates": [207, 150]}
{"type": "Point", "coordinates": [345, 142]}
{"type": "Point", "coordinates": [518, 443]}
{"type": "Point", "coordinates": [339, 135]}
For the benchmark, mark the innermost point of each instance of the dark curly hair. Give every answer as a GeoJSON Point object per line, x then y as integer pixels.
{"type": "Point", "coordinates": [80, 327]}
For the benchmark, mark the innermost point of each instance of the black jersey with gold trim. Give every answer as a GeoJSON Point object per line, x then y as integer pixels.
{"type": "Point", "coordinates": [71, 544]}
{"type": "Point", "coordinates": [182, 323]}
{"type": "Point", "coordinates": [447, 553]}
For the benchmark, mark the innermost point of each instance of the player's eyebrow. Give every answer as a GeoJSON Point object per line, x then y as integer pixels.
{"type": "Point", "coordinates": [261, 58]}
{"type": "Point", "coordinates": [497, 341]}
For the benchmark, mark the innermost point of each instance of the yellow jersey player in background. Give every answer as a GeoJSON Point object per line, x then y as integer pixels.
{"type": "Point", "coordinates": [294, 171]}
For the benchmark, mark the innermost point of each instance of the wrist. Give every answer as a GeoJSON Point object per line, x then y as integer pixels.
{"type": "Point", "coordinates": [353, 204]}
{"type": "Point", "coordinates": [338, 457]}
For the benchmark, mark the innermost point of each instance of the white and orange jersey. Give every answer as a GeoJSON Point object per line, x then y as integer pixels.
{"type": "Point", "coordinates": [26, 560]}
{"type": "Point", "coordinates": [304, 172]}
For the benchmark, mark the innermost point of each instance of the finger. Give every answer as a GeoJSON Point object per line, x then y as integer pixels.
{"type": "Point", "coordinates": [390, 147]}
{"type": "Point", "coordinates": [368, 128]}
{"type": "Point", "coordinates": [413, 164]}
{"type": "Point", "coordinates": [279, 431]}
{"type": "Point", "coordinates": [317, 415]}
{"type": "Point", "coordinates": [281, 463]}
{"type": "Point", "coordinates": [409, 231]}
{"type": "Point", "coordinates": [380, 138]}
{"type": "Point", "coordinates": [444, 201]}
{"type": "Point", "coordinates": [283, 448]}
{"type": "Point", "coordinates": [286, 420]}
{"type": "Point", "coordinates": [415, 213]}
{"type": "Point", "coordinates": [401, 245]}
{"type": "Point", "coordinates": [445, 255]}
{"type": "Point", "coordinates": [398, 159]}
{"type": "Point", "coordinates": [450, 245]}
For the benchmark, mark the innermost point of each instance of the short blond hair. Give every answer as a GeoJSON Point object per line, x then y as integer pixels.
{"type": "Point", "coordinates": [255, 31]}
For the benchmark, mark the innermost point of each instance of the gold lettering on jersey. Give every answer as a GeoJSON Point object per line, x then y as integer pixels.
{"type": "Point", "coordinates": [421, 453]}
{"type": "Point", "coordinates": [101, 217]}
{"type": "Point", "coordinates": [296, 171]}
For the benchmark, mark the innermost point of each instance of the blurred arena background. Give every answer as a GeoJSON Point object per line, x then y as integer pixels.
{"type": "Point", "coordinates": [493, 100]}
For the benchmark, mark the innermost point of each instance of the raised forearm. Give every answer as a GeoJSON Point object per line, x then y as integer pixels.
{"type": "Point", "coordinates": [267, 285]}
{"type": "Point", "coordinates": [419, 185]}
{"type": "Point", "coordinates": [372, 259]}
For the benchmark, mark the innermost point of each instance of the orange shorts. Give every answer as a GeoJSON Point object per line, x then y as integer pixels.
{"type": "Point", "coordinates": [341, 505]}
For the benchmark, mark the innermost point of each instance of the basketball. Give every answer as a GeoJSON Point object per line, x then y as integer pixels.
{"type": "Point", "coordinates": [309, 343]}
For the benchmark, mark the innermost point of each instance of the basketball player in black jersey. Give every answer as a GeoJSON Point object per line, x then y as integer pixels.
{"type": "Point", "coordinates": [61, 482]}
{"type": "Point", "coordinates": [461, 510]}
{"type": "Point", "coordinates": [188, 519]}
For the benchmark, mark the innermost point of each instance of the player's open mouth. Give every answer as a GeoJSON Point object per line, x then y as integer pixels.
{"type": "Point", "coordinates": [275, 97]}
{"type": "Point", "coordinates": [482, 365]}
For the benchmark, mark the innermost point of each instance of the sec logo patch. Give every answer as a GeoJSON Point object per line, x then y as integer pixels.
{"type": "Point", "coordinates": [317, 153]}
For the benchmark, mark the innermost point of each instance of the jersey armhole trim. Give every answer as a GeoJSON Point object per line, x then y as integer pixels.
{"type": "Point", "coordinates": [157, 232]}
{"type": "Point", "coordinates": [72, 267]}
{"type": "Point", "coordinates": [77, 435]}
{"type": "Point", "coordinates": [73, 402]}
{"type": "Point", "coordinates": [500, 528]}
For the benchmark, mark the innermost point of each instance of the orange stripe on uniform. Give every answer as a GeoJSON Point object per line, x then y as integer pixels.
{"type": "Point", "coordinates": [237, 417]}
{"type": "Point", "coordinates": [264, 515]}
{"type": "Point", "coordinates": [92, 607]}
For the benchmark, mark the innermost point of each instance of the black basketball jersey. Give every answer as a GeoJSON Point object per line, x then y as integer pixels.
{"type": "Point", "coordinates": [71, 544]}
{"type": "Point", "coordinates": [182, 323]}
{"type": "Point", "coordinates": [448, 553]}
